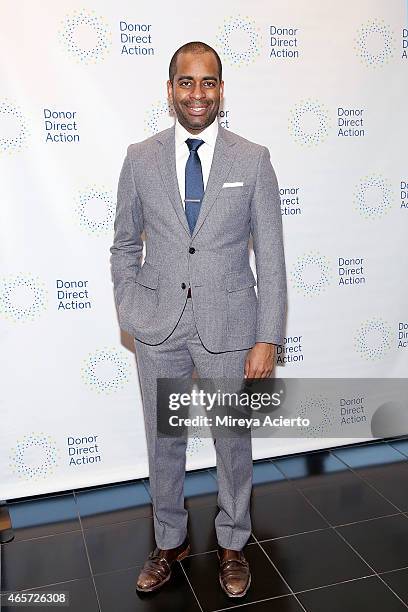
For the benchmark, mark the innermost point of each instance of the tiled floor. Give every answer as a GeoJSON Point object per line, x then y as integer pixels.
{"type": "Point", "coordinates": [330, 532]}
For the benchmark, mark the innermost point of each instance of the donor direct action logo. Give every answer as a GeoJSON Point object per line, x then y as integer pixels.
{"type": "Point", "coordinates": [13, 128]}
{"type": "Point", "coordinates": [311, 274]}
{"type": "Point", "coordinates": [373, 196]}
{"type": "Point", "coordinates": [95, 210]}
{"type": "Point", "coordinates": [85, 36]}
{"type": "Point", "coordinates": [309, 123]}
{"type": "Point", "coordinates": [373, 339]}
{"type": "Point", "coordinates": [105, 370]}
{"type": "Point", "coordinates": [374, 43]}
{"type": "Point", "coordinates": [158, 117]}
{"type": "Point", "coordinates": [34, 457]}
{"type": "Point", "coordinates": [239, 40]}
{"type": "Point", "coordinates": [22, 297]}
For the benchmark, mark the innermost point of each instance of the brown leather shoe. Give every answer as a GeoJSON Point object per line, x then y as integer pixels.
{"type": "Point", "coordinates": [235, 576]}
{"type": "Point", "coordinates": [157, 568]}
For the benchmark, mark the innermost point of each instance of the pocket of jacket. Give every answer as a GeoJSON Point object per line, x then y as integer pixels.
{"type": "Point", "coordinates": [146, 297]}
{"type": "Point", "coordinates": [240, 280]}
{"type": "Point", "coordinates": [148, 276]}
{"type": "Point", "coordinates": [242, 303]}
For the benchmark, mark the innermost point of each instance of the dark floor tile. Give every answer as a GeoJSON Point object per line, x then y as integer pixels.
{"type": "Point", "coordinates": [398, 581]}
{"type": "Point", "coordinates": [382, 542]}
{"type": "Point", "coordinates": [285, 603]}
{"type": "Point", "coordinates": [391, 481]}
{"type": "Point", "coordinates": [118, 546]}
{"type": "Point", "coordinates": [202, 571]}
{"type": "Point", "coordinates": [44, 516]}
{"type": "Point", "coordinates": [117, 591]}
{"type": "Point", "coordinates": [201, 529]}
{"type": "Point", "coordinates": [401, 446]}
{"type": "Point", "coordinates": [312, 469]}
{"type": "Point", "coordinates": [267, 478]}
{"type": "Point", "coordinates": [113, 504]}
{"type": "Point", "coordinates": [347, 501]}
{"type": "Point", "coordinates": [365, 594]}
{"type": "Point", "coordinates": [81, 593]}
{"type": "Point", "coordinates": [369, 455]}
{"type": "Point", "coordinates": [303, 559]}
{"type": "Point", "coordinates": [283, 513]}
{"type": "Point", "coordinates": [34, 563]}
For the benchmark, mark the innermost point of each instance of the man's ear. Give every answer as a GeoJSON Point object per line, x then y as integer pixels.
{"type": "Point", "coordinates": [170, 90]}
{"type": "Point", "coordinates": [221, 90]}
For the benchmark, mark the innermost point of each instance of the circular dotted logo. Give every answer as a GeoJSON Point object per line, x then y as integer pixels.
{"type": "Point", "coordinates": [195, 441]}
{"type": "Point", "coordinates": [239, 40]}
{"type": "Point", "coordinates": [85, 36]}
{"type": "Point", "coordinates": [156, 114]}
{"type": "Point", "coordinates": [373, 339]}
{"type": "Point", "coordinates": [95, 209]}
{"type": "Point", "coordinates": [105, 370]}
{"type": "Point", "coordinates": [309, 123]}
{"type": "Point", "coordinates": [374, 43]}
{"type": "Point", "coordinates": [34, 457]}
{"type": "Point", "coordinates": [14, 130]}
{"type": "Point", "coordinates": [311, 274]}
{"type": "Point", "coordinates": [317, 411]}
{"type": "Point", "coordinates": [22, 297]}
{"type": "Point", "coordinates": [373, 197]}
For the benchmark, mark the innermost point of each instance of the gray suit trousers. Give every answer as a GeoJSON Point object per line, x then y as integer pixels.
{"type": "Point", "coordinates": [176, 357]}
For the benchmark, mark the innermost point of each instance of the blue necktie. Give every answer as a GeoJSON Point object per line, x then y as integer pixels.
{"type": "Point", "coordinates": [194, 187]}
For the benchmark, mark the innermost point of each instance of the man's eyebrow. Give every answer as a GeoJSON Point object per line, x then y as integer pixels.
{"type": "Point", "coordinates": [190, 78]}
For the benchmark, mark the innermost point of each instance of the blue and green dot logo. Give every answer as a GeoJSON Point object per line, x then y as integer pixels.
{"type": "Point", "coordinates": [373, 339]}
{"type": "Point", "coordinates": [311, 274]}
{"type": "Point", "coordinates": [13, 126]}
{"type": "Point", "coordinates": [195, 441]}
{"type": "Point", "coordinates": [239, 40]}
{"type": "Point", "coordinates": [309, 123]}
{"type": "Point", "coordinates": [106, 370]}
{"type": "Point", "coordinates": [374, 43]}
{"type": "Point", "coordinates": [158, 112]}
{"type": "Point", "coordinates": [317, 410]}
{"type": "Point", "coordinates": [373, 197]}
{"type": "Point", "coordinates": [95, 209]}
{"type": "Point", "coordinates": [34, 457]}
{"type": "Point", "coordinates": [23, 297]}
{"type": "Point", "coordinates": [85, 36]}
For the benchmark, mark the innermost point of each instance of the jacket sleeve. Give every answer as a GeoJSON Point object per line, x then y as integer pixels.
{"type": "Point", "coordinates": [267, 235]}
{"type": "Point", "coordinates": [127, 249]}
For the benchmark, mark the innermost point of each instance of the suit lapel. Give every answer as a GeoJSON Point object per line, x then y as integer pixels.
{"type": "Point", "coordinates": [166, 160]}
{"type": "Point", "coordinates": [223, 158]}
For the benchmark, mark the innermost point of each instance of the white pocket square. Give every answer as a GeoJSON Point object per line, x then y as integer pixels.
{"type": "Point", "coordinates": [239, 184]}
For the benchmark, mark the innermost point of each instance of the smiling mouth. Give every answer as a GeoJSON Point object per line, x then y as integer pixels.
{"type": "Point", "coordinates": [197, 110]}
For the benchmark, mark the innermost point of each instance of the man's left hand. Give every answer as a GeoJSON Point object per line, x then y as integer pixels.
{"type": "Point", "coordinates": [260, 360]}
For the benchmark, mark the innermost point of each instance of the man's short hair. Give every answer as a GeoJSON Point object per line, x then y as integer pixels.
{"type": "Point", "coordinates": [193, 47]}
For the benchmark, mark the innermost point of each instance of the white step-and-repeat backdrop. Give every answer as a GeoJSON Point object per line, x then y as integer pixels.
{"type": "Point", "coordinates": [322, 83]}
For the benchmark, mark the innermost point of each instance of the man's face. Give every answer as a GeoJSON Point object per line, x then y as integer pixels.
{"type": "Point", "coordinates": [196, 90]}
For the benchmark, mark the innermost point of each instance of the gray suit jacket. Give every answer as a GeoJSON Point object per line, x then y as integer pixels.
{"type": "Point", "coordinates": [214, 260]}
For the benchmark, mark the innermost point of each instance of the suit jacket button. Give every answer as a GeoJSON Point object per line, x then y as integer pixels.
{"type": "Point", "coordinates": [191, 250]}
{"type": "Point", "coordinates": [183, 285]}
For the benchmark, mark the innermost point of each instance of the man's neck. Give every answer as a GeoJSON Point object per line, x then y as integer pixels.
{"type": "Point", "coordinates": [196, 132]}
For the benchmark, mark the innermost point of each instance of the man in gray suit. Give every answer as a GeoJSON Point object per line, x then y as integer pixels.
{"type": "Point", "coordinates": [198, 192]}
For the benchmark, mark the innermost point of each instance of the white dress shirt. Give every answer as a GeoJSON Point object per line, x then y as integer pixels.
{"type": "Point", "coordinates": [205, 152]}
